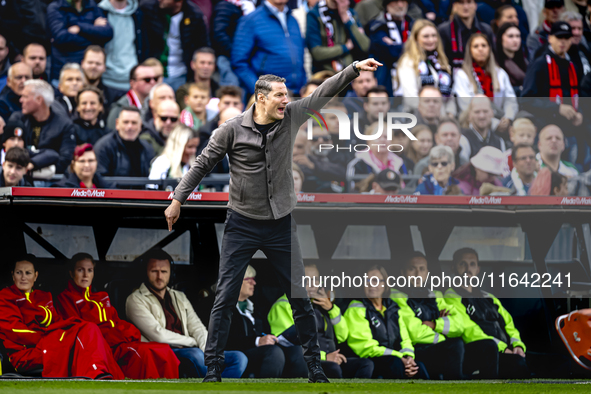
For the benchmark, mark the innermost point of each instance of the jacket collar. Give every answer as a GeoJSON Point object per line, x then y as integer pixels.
{"type": "Point", "coordinates": [143, 289]}
{"type": "Point", "coordinates": [248, 118]}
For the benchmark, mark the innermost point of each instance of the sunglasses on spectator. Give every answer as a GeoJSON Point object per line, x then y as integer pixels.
{"type": "Point", "coordinates": [167, 118]}
{"type": "Point", "coordinates": [149, 79]}
{"type": "Point", "coordinates": [251, 280]}
{"type": "Point", "coordinates": [438, 163]}
{"type": "Point", "coordinates": [323, 137]}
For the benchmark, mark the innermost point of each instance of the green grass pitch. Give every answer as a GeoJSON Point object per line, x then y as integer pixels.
{"type": "Point", "coordinates": [246, 386]}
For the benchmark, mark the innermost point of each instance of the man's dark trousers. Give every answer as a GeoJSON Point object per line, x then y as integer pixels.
{"type": "Point", "coordinates": [278, 240]}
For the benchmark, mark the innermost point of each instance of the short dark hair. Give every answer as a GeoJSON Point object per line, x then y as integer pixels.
{"type": "Point", "coordinates": [34, 43]}
{"type": "Point", "coordinates": [461, 252]}
{"type": "Point", "coordinates": [556, 180]}
{"type": "Point", "coordinates": [413, 255]}
{"type": "Point", "coordinates": [229, 90]}
{"type": "Point", "coordinates": [316, 82]}
{"type": "Point", "coordinates": [263, 84]}
{"type": "Point", "coordinates": [203, 50]}
{"type": "Point", "coordinates": [448, 119]}
{"type": "Point", "coordinates": [31, 258]}
{"type": "Point", "coordinates": [93, 89]}
{"type": "Point", "coordinates": [95, 49]}
{"type": "Point", "coordinates": [18, 156]}
{"type": "Point", "coordinates": [378, 89]}
{"type": "Point", "coordinates": [129, 108]}
{"type": "Point", "coordinates": [79, 257]}
{"type": "Point", "coordinates": [517, 147]}
{"type": "Point", "coordinates": [133, 70]}
{"type": "Point", "coordinates": [155, 254]}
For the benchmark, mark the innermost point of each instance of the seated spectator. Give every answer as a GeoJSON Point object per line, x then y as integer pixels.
{"type": "Point", "coordinates": [41, 159]}
{"type": "Point", "coordinates": [82, 174]}
{"type": "Point", "coordinates": [549, 183]}
{"type": "Point", "coordinates": [203, 66]}
{"type": "Point", "coordinates": [332, 329]}
{"type": "Point", "coordinates": [491, 318]}
{"type": "Point", "coordinates": [309, 87]}
{"type": "Point", "coordinates": [18, 74]}
{"type": "Point", "coordinates": [420, 148]}
{"type": "Point", "coordinates": [508, 11]}
{"type": "Point", "coordinates": [157, 130]}
{"type": "Point", "coordinates": [522, 131]}
{"type": "Point", "coordinates": [4, 61]}
{"type": "Point", "coordinates": [266, 358]}
{"type": "Point", "coordinates": [321, 173]}
{"type": "Point", "coordinates": [550, 147]}
{"type": "Point", "coordinates": [178, 154]}
{"type": "Point", "coordinates": [552, 11]}
{"type": "Point", "coordinates": [334, 35]}
{"type": "Point", "coordinates": [386, 182]}
{"type": "Point", "coordinates": [423, 64]}
{"type": "Point", "coordinates": [14, 168]}
{"type": "Point", "coordinates": [35, 336]}
{"type": "Point", "coordinates": [122, 152]}
{"type": "Point", "coordinates": [90, 127]}
{"type": "Point", "coordinates": [174, 31]}
{"type": "Point", "coordinates": [123, 52]}
{"type": "Point", "coordinates": [141, 80]}
{"type": "Point", "coordinates": [12, 135]}
{"type": "Point", "coordinates": [504, 14]}
{"type": "Point", "coordinates": [159, 93]}
{"type": "Point", "coordinates": [378, 102]}
{"type": "Point", "coordinates": [230, 96]}
{"type": "Point", "coordinates": [433, 326]}
{"type": "Point", "coordinates": [438, 180]}
{"type": "Point", "coordinates": [74, 26]}
{"type": "Point", "coordinates": [457, 31]}
{"type": "Point", "coordinates": [510, 55]}
{"type": "Point", "coordinates": [484, 168]}
{"type": "Point", "coordinates": [579, 50]}
{"type": "Point", "coordinates": [35, 56]}
{"type": "Point", "coordinates": [377, 331]}
{"type": "Point", "coordinates": [196, 113]}
{"type": "Point", "coordinates": [94, 67]}
{"type": "Point", "coordinates": [262, 45]}
{"type": "Point", "coordinates": [524, 170]}
{"type": "Point", "coordinates": [430, 105]}
{"type": "Point", "coordinates": [46, 126]}
{"type": "Point", "coordinates": [70, 83]}
{"type": "Point", "coordinates": [298, 177]}
{"type": "Point", "coordinates": [165, 315]}
{"type": "Point", "coordinates": [359, 88]}
{"type": "Point", "coordinates": [138, 360]}
{"type": "Point", "coordinates": [478, 118]}
{"type": "Point", "coordinates": [481, 75]}
{"type": "Point", "coordinates": [388, 33]}
{"type": "Point", "coordinates": [448, 134]}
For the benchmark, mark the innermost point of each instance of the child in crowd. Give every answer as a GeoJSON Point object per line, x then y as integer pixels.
{"type": "Point", "coordinates": [196, 113]}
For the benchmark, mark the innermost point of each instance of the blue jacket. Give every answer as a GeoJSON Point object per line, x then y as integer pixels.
{"type": "Point", "coordinates": [431, 187]}
{"type": "Point", "coordinates": [262, 47]}
{"type": "Point", "coordinates": [9, 103]}
{"type": "Point", "coordinates": [223, 26]}
{"type": "Point", "coordinates": [67, 47]}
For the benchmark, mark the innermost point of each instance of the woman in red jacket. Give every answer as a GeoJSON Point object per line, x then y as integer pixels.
{"type": "Point", "coordinates": [36, 337]}
{"type": "Point", "coordinates": [138, 360]}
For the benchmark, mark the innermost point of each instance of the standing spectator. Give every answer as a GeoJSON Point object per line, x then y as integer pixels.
{"type": "Point", "coordinates": [388, 33]}
{"type": "Point", "coordinates": [35, 56]}
{"type": "Point", "coordinates": [334, 35]}
{"type": "Point", "coordinates": [4, 62]}
{"type": "Point", "coordinates": [178, 154]}
{"type": "Point", "coordinates": [579, 50]}
{"type": "Point", "coordinates": [510, 55]}
{"type": "Point", "coordinates": [141, 80]}
{"type": "Point", "coordinates": [203, 66]}
{"type": "Point", "coordinates": [457, 31]}
{"type": "Point", "coordinates": [223, 24]}
{"type": "Point", "coordinates": [420, 148]}
{"type": "Point", "coordinates": [448, 134]}
{"type": "Point", "coordinates": [70, 83]}
{"type": "Point", "coordinates": [18, 74]}
{"type": "Point", "coordinates": [122, 153]}
{"type": "Point", "coordinates": [45, 126]}
{"type": "Point", "coordinates": [269, 40]}
{"type": "Point", "coordinates": [165, 315]}
{"type": "Point", "coordinates": [165, 120]}
{"type": "Point", "coordinates": [524, 171]}
{"type": "Point", "coordinates": [93, 65]}
{"type": "Point", "coordinates": [127, 47]}
{"type": "Point", "coordinates": [485, 167]}
{"type": "Point", "coordinates": [438, 181]}
{"type": "Point", "coordinates": [74, 25]}
{"type": "Point", "coordinates": [479, 132]}
{"type": "Point", "coordinates": [14, 168]}
{"type": "Point", "coordinates": [174, 29]}
{"type": "Point", "coordinates": [536, 40]}
{"type": "Point", "coordinates": [551, 146]}
{"type": "Point", "coordinates": [481, 75]}
{"type": "Point", "coordinates": [423, 63]}
{"type": "Point", "coordinates": [90, 127]}
{"type": "Point", "coordinates": [82, 172]}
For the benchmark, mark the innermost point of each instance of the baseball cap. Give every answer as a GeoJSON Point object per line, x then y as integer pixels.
{"type": "Point", "coordinates": [13, 129]}
{"type": "Point", "coordinates": [388, 180]}
{"type": "Point", "coordinates": [553, 4]}
{"type": "Point", "coordinates": [561, 29]}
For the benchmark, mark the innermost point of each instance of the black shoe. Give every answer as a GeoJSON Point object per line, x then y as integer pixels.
{"type": "Point", "coordinates": [316, 374]}
{"type": "Point", "coordinates": [104, 376]}
{"type": "Point", "coordinates": [214, 373]}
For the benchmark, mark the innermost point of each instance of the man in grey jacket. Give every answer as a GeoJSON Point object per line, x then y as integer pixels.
{"type": "Point", "coordinates": [259, 144]}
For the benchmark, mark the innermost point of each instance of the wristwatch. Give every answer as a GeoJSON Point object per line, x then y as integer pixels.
{"type": "Point", "coordinates": [355, 66]}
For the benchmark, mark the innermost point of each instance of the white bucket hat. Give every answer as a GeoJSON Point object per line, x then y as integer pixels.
{"type": "Point", "coordinates": [489, 159]}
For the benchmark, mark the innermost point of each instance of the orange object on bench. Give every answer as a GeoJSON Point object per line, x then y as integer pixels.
{"type": "Point", "coordinates": [575, 331]}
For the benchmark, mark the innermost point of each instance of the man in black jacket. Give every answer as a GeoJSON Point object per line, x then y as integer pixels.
{"type": "Point", "coordinates": [15, 84]}
{"type": "Point", "coordinates": [175, 29]}
{"type": "Point", "coordinates": [46, 126]}
{"type": "Point", "coordinates": [479, 132]}
{"type": "Point", "coordinates": [122, 153]}
{"type": "Point", "coordinates": [94, 66]}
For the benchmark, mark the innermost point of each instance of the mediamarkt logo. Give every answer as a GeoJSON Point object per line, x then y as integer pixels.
{"type": "Point", "coordinates": [402, 199]}
{"type": "Point", "coordinates": [485, 200]}
{"type": "Point", "coordinates": [306, 197]}
{"type": "Point", "coordinates": [576, 201]}
{"type": "Point", "coordinates": [87, 193]}
{"type": "Point", "coordinates": [192, 196]}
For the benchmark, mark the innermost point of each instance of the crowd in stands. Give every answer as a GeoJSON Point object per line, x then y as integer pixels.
{"type": "Point", "coordinates": [135, 89]}
{"type": "Point", "coordinates": [390, 333]}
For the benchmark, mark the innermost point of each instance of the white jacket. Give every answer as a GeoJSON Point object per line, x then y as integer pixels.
{"type": "Point", "coordinates": [145, 312]}
{"type": "Point", "coordinates": [504, 99]}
